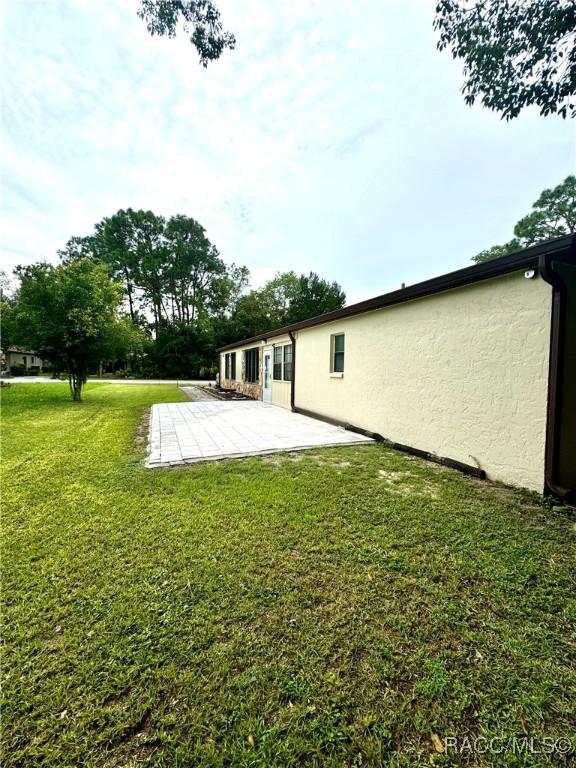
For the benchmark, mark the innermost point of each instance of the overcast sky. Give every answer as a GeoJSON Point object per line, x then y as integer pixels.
{"type": "Point", "coordinates": [333, 138]}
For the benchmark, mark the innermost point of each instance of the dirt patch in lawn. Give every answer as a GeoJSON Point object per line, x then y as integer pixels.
{"type": "Point", "coordinates": [142, 431]}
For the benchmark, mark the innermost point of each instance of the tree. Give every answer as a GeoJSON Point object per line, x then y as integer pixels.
{"type": "Point", "coordinates": [69, 315]}
{"type": "Point", "coordinates": [131, 245]}
{"type": "Point", "coordinates": [314, 296]}
{"type": "Point", "coordinates": [200, 18]}
{"type": "Point", "coordinates": [196, 277]}
{"type": "Point", "coordinates": [111, 243]}
{"type": "Point", "coordinates": [496, 251]}
{"type": "Point", "coordinates": [172, 276]}
{"type": "Point", "coordinates": [177, 286]}
{"type": "Point", "coordinates": [553, 215]}
{"type": "Point", "coordinates": [250, 317]}
{"type": "Point", "coordinates": [265, 308]}
{"type": "Point", "coordinates": [515, 53]}
{"type": "Point", "coordinates": [123, 348]}
{"type": "Point", "coordinates": [169, 268]}
{"type": "Point", "coordinates": [286, 298]}
{"type": "Point", "coordinates": [181, 351]}
{"type": "Point", "coordinates": [7, 302]}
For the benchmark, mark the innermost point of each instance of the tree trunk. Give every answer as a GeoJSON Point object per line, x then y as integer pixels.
{"type": "Point", "coordinates": [129, 292]}
{"type": "Point", "coordinates": [76, 380]}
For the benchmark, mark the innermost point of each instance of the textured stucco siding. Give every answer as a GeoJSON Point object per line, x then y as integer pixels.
{"type": "Point", "coordinates": [462, 374]}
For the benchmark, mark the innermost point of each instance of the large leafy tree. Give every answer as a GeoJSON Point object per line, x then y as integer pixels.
{"type": "Point", "coordinates": [7, 307]}
{"type": "Point", "coordinates": [266, 308]}
{"type": "Point", "coordinates": [286, 298]}
{"type": "Point", "coordinates": [111, 243]}
{"type": "Point", "coordinates": [197, 281]}
{"type": "Point", "coordinates": [516, 53]}
{"type": "Point", "coordinates": [314, 296]}
{"type": "Point", "coordinates": [552, 215]}
{"type": "Point", "coordinates": [69, 314]}
{"type": "Point", "coordinates": [169, 269]}
{"type": "Point", "coordinates": [175, 283]}
{"type": "Point", "coordinates": [199, 18]}
{"type": "Point", "coordinates": [181, 351]}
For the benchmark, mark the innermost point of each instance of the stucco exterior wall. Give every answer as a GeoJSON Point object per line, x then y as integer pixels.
{"type": "Point", "coordinates": [463, 374]}
{"type": "Point", "coordinates": [29, 359]}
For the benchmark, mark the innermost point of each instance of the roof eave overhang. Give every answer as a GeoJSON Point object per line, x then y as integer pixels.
{"type": "Point", "coordinates": [526, 259]}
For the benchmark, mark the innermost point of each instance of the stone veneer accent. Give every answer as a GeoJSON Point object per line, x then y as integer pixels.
{"type": "Point", "coordinates": [249, 389]}
{"type": "Point", "coordinates": [244, 387]}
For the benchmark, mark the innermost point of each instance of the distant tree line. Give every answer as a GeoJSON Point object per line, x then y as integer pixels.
{"type": "Point", "coordinates": [149, 296]}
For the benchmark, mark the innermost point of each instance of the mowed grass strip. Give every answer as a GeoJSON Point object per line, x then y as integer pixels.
{"type": "Point", "coordinates": [321, 608]}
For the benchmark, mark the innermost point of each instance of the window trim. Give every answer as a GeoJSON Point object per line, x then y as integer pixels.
{"type": "Point", "coordinates": [280, 363]}
{"type": "Point", "coordinates": [230, 366]}
{"type": "Point", "coordinates": [334, 369]}
{"type": "Point", "coordinates": [285, 363]}
{"type": "Point", "coordinates": [277, 349]}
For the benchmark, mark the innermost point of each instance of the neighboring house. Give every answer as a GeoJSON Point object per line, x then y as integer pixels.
{"type": "Point", "coordinates": [477, 367]}
{"type": "Point", "coordinates": [16, 356]}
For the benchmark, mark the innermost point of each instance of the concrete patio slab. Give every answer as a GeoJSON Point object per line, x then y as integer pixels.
{"type": "Point", "coordinates": [182, 433]}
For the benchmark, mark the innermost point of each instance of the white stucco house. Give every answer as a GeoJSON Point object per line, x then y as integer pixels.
{"type": "Point", "coordinates": [475, 368]}
{"type": "Point", "coordinates": [26, 359]}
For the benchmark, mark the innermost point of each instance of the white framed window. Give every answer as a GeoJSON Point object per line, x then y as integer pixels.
{"type": "Point", "coordinates": [337, 346]}
{"type": "Point", "coordinates": [277, 372]}
{"type": "Point", "coordinates": [282, 369]}
{"type": "Point", "coordinates": [288, 362]}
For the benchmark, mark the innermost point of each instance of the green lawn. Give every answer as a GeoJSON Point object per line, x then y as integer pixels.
{"type": "Point", "coordinates": [325, 608]}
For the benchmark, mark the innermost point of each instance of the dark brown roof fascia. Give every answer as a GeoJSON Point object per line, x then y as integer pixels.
{"type": "Point", "coordinates": [555, 371]}
{"type": "Point", "coordinates": [524, 259]}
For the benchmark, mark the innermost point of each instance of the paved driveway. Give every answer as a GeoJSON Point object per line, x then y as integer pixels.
{"type": "Point", "coordinates": [204, 431]}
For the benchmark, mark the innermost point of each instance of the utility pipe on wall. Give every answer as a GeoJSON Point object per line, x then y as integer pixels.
{"type": "Point", "coordinates": [293, 383]}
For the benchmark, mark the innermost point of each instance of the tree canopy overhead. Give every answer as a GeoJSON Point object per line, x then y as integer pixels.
{"type": "Point", "coordinates": [553, 215]}
{"type": "Point", "coordinates": [199, 18]}
{"type": "Point", "coordinates": [516, 53]}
